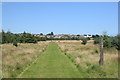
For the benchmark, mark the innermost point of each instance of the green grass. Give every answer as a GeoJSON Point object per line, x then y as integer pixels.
{"type": "Point", "coordinates": [53, 64]}
{"type": "Point", "coordinates": [86, 57]}
{"type": "Point", "coordinates": [16, 59]}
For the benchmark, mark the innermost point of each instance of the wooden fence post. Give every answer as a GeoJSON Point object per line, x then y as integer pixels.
{"type": "Point", "coordinates": [101, 61]}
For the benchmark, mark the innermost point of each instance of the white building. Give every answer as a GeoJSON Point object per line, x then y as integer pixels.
{"type": "Point", "coordinates": [87, 36]}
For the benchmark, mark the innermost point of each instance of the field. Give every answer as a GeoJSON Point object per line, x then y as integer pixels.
{"type": "Point", "coordinates": [58, 59]}
{"type": "Point", "coordinates": [86, 58]}
{"type": "Point", "coordinates": [16, 59]}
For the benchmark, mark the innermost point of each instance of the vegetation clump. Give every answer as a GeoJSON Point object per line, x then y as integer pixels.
{"type": "Point", "coordinates": [8, 37]}
{"type": "Point", "coordinates": [109, 41]}
{"type": "Point", "coordinates": [84, 41]}
{"type": "Point", "coordinates": [15, 43]}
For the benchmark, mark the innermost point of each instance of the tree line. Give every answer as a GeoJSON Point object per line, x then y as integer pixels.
{"type": "Point", "coordinates": [9, 37]}
{"type": "Point", "coordinates": [108, 41]}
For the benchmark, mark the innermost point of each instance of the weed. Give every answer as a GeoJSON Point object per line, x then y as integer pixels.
{"type": "Point", "coordinates": [88, 64]}
{"type": "Point", "coordinates": [96, 51]}
{"type": "Point", "coordinates": [80, 56]}
{"type": "Point", "coordinates": [66, 50]}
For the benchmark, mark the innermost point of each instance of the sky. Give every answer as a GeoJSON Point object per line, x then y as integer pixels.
{"type": "Point", "coordinates": [60, 17]}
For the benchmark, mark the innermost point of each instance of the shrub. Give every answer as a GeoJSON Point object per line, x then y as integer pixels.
{"type": "Point", "coordinates": [84, 41]}
{"type": "Point", "coordinates": [118, 45]}
{"type": "Point", "coordinates": [96, 40]}
{"type": "Point", "coordinates": [43, 38]}
{"type": "Point", "coordinates": [34, 41]}
{"type": "Point", "coordinates": [96, 51]}
{"type": "Point", "coordinates": [115, 42]}
{"type": "Point", "coordinates": [15, 44]}
{"type": "Point", "coordinates": [107, 42]}
{"type": "Point", "coordinates": [88, 38]}
{"type": "Point", "coordinates": [66, 50]}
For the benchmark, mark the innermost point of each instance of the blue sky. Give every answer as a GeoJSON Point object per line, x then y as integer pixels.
{"type": "Point", "coordinates": [61, 17]}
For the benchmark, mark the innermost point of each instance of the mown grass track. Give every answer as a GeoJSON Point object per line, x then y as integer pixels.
{"type": "Point", "coordinates": [52, 64]}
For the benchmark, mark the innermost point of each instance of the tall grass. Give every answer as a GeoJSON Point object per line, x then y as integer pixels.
{"type": "Point", "coordinates": [0, 61]}
{"type": "Point", "coordinates": [86, 59]}
{"type": "Point", "coordinates": [16, 59]}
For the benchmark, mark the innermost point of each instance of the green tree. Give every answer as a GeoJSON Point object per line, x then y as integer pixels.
{"type": "Point", "coordinates": [52, 33]}
{"type": "Point", "coordinates": [96, 40]}
{"type": "Point", "coordinates": [107, 42]}
{"type": "Point", "coordinates": [118, 42]}
{"type": "Point", "coordinates": [0, 37]}
{"type": "Point", "coordinates": [3, 37]}
{"type": "Point", "coordinates": [115, 42]}
{"type": "Point", "coordinates": [41, 33]}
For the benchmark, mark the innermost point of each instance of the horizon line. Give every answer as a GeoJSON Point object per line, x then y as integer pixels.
{"type": "Point", "coordinates": [61, 33]}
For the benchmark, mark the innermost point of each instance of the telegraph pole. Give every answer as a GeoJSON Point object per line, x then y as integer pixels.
{"type": "Point", "coordinates": [101, 61]}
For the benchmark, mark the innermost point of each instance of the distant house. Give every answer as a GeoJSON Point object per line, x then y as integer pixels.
{"type": "Point", "coordinates": [57, 36]}
{"type": "Point", "coordinates": [39, 35]}
{"type": "Point", "coordinates": [61, 36]}
{"type": "Point", "coordinates": [50, 36]}
{"type": "Point", "coordinates": [64, 36]}
{"type": "Point", "coordinates": [87, 36]}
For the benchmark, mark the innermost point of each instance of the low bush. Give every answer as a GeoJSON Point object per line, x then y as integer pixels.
{"type": "Point", "coordinates": [107, 42]}
{"type": "Point", "coordinates": [15, 43]}
{"type": "Point", "coordinates": [84, 41]}
{"type": "Point", "coordinates": [96, 40]}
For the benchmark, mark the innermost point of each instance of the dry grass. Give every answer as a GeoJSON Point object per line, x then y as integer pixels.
{"type": "Point", "coordinates": [15, 59]}
{"type": "Point", "coordinates": [87, 58]}
{"type": "Point", "coordinates": [0, 61]}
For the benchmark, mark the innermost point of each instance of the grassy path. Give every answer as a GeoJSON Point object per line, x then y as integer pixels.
{"type": "Point", "coordinates": [52, 64]}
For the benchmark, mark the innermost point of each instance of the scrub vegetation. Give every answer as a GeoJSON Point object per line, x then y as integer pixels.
{"type": "Point", "coordinates": [86, 58]}
{"type": "Point", "coordinates": [58, 58]}
{"type": "Point", "coordinates": [16, 59]}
